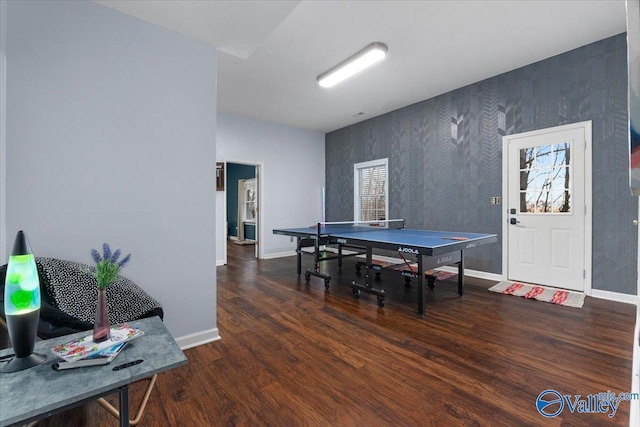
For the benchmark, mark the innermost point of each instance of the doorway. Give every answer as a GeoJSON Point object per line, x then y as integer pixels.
{"type": "Point", "coordinates": [242, 206]}
{"type": "Point", "coordinates": [547, 194]}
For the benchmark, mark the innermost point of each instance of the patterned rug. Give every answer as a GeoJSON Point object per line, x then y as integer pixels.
{"type": "Point", "coordinates": [540, 293]}
{"type": "Point", "coordinates": [392, 263]}
{"type": "Point", "coordinates": [439, 275]}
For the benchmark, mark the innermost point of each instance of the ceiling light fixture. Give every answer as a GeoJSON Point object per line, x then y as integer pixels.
{"type": "Point", "coordinates": [368, 56]}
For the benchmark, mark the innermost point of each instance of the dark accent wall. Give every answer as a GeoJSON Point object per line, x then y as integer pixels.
{"type": "Point", "coordinates": [235, 172]}
{"type": "Point", "coordinates": [445, 154]}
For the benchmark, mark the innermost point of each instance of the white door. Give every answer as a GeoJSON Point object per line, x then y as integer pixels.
{"type": "Point", "coordinates": [547, 206]}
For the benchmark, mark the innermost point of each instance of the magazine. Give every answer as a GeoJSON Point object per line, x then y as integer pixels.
{"type": "Point", "coordinates": [84, 347]}
{"type": "Point", "coordinates": [102, 358]}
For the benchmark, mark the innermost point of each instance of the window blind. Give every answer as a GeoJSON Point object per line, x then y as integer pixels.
{"type": "Point", "coordinates": [371, 200]}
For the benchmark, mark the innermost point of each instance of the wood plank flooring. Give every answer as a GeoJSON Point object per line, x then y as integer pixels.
{"type": "Point", "coordinates": [292, 354]}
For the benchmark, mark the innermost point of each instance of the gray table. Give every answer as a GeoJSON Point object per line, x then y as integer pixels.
{"type": "Point", "coordinates": [40, 392]}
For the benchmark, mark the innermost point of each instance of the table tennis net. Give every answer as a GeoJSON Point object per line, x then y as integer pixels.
{"type": "Point", "coordinates": [355, 226]}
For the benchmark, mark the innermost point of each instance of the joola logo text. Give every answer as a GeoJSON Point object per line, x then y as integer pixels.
{"type": "Point", "coordinates": [408, 250]}
{"type": "Point", "coordinates": [343, 241]}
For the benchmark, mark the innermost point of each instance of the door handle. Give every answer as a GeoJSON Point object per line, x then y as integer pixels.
{"type": "Point", "coordinates": [513, 221]}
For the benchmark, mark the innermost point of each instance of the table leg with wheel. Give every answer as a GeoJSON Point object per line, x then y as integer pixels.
{"type": "Point", "coordinates": [317, 258]}
{"type": "Point", "coordinates": [368, 287]}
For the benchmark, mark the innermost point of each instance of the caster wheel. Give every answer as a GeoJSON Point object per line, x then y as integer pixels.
{"type": "Point", "coordinates": [355, 293]}
{"type": "Point", "coordinates": [326, 285]}
{"type": "Point", "coordinates": [380, 302]}
{"type": "Point", "coordinates": [431, 285]}
{"type": "Point", "coordinates": [407, 281]}
{"type": "Point", "coordinates": [307, 277]}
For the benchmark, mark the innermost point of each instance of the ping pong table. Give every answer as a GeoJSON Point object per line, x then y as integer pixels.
{"type": "Point", "coordinates": [429, 248]}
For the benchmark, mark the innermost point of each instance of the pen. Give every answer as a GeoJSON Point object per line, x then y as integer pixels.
{"type": "Point", "coordinates": [127, 365]}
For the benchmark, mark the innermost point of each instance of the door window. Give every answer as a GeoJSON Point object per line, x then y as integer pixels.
{"type": "Point", "coordinates": [545, 179]}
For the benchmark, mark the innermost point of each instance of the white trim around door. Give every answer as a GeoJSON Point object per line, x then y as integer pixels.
{"type": "Point", "coordinates": [585, 198]}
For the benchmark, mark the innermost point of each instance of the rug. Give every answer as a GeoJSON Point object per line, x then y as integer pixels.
{"type": "Point", "coordinates": [540, 293]}
{"type": "Point", "coordinates": [438, 274]}
{"type": "Point", "coordinates": [244, 242]}
{"type": "Point", "coordinates": [444, 275]}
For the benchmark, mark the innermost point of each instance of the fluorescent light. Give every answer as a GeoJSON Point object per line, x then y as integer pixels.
{"type": "Point", "coordinates": [368, 56]}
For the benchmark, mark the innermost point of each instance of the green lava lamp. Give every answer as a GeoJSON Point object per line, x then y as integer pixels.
{"type": "Point", "coordinates": [22, 306]}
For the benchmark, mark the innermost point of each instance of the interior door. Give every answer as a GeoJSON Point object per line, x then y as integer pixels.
{"type": "Point", "coordinates": [546, 207]}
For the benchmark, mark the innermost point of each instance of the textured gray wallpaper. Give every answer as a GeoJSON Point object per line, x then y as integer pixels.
{"type": "Point", "coordinates": [445, 154]}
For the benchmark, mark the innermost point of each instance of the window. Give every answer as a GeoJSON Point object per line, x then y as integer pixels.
{"type": "Point", "coordinates": [370, 190]}
{"type": "Point", "coordinates": [545, 179]}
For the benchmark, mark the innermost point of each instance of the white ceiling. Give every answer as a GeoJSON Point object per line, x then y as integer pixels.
{"type": "Point", "coordinates": [270, 52]}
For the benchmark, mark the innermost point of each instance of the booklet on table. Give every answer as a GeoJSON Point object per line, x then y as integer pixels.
{"type": "Point", "coordinates": [84, 347]}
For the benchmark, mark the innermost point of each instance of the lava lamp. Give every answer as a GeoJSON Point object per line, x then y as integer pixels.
{"type": "Point", "coordinates": [22, 306]}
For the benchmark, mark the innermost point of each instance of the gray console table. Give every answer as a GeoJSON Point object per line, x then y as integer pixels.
{"type": "Point", "coordinates": [40, 392]}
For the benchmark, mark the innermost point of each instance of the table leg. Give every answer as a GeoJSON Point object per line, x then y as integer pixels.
{"type": "Point", "coordinates": [316, 256]}
{"type": "Point", "coordinates": [299, 258]}
{"type": "Point", "coordinates": [420, 287]}
{"type": "Point", "coordinates": [461, 274]}
{"type": "Point", "coordinates": [124, 406]}
{"type": "Point", "coordinates": [369, 259]}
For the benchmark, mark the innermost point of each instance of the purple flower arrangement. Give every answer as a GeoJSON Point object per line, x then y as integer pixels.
{"type": "Point", "coordinates": [107, 265]}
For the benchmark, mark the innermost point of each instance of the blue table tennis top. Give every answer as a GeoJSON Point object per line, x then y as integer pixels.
{"type": "Point", "coordinates": [431, 241]}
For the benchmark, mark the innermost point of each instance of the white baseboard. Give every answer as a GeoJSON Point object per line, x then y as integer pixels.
{"type": "Point", "coordinates": [278, 255]}
{"type": "Point", "coordinates": [219, 262]}
{"type": "Point", "coordinates": [595, 293]}
{"type": "Point", "coordinates": [198, 338]}
{"type": "Point", "coordinates": [473, 273]}
{"type": "Point", "coordinates": [615, 296]}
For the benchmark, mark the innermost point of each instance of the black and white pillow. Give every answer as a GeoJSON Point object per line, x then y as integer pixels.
{"type": "Point", "coordinates": [72, 288]}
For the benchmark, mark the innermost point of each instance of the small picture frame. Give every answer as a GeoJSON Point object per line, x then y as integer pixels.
{"type": "Point", "coordinates": [219, 176]}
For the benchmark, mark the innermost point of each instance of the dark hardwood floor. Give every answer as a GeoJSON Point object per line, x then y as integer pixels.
{"type": "Point", "coordinates": [292, 354]}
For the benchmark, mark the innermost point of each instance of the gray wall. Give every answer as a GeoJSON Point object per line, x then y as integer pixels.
{"type": "Point", "coordinates": [111, 126]}
{"type": "Point", "coordinates": [445, 154]}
